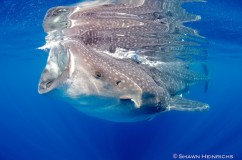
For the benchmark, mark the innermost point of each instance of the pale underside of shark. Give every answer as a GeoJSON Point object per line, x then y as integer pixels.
{"type": "Point", "coordinates": [122, 60]}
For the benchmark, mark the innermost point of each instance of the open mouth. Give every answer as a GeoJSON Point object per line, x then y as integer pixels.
{"type": "Point", "coordinates": [55, 71]}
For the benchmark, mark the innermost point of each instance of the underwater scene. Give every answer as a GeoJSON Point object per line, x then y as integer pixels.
{"type": "Point", "coordinates": [120, 79]}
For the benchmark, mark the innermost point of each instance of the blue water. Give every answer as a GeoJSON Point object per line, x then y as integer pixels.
{"type": "Point", "coordinates": [37, 127]}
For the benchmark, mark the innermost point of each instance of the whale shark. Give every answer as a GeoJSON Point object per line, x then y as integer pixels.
{"type": "Point", "coordinates": [123, 60]}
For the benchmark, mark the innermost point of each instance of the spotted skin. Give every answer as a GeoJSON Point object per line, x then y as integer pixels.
{"type": "Point", "coordinates": [84, 39]}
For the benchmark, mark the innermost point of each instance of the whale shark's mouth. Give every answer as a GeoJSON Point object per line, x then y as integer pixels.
{"type": "Point", "coordinates": [55, 70]}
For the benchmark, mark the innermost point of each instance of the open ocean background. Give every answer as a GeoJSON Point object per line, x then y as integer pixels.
{"type": "Point", "coordinates": [37, 127]}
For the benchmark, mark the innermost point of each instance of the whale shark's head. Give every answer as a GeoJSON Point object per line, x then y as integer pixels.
{"type": "Point", "coordinates": [100, 85]}
{"type": "Point", "coordinates": [56, 19]}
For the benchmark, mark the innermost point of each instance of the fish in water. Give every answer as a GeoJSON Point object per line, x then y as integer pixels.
{"type": "Point", "coordinates": [123, 60]}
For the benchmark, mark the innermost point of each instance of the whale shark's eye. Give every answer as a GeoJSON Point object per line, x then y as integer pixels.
{"type": "Point", "coordinates": [98, 75]}
{"type": "Point", "coordinates": [112, 49]}
{"type": "Point", "coordinates": [118, 82]}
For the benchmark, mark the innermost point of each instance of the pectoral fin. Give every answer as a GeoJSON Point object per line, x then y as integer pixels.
{"type": "Point", "coordinates": [181, 104]}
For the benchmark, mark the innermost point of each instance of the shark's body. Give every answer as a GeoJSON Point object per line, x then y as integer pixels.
{"type": "Point", "coordinates": [110, 60]}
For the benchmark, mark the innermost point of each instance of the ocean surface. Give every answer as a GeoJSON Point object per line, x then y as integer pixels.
{"type": "Point", "coordinates": [38, 127]}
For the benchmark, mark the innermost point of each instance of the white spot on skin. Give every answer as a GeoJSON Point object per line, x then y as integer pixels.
{"type": "Point", "coordinates": [56, 19]}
